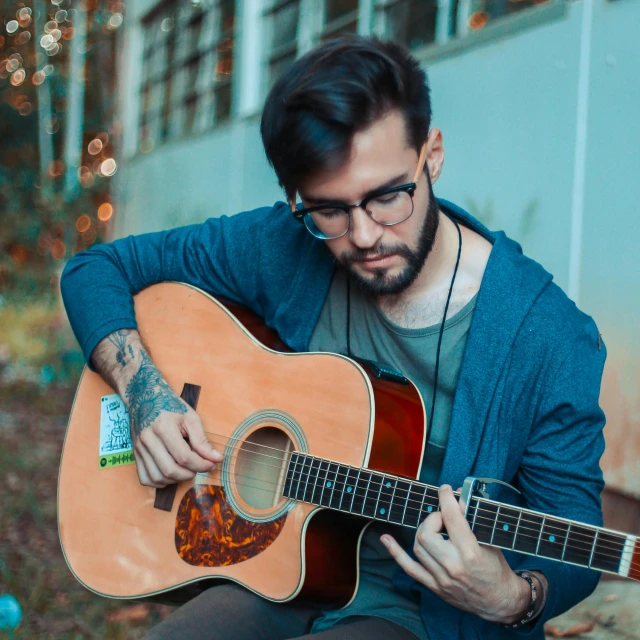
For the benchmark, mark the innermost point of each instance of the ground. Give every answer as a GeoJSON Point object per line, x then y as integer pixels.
{"type": "Point", "coordinates": [32, 568]}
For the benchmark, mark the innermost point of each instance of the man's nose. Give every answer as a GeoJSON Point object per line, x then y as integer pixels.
{"type": "Point", "coordinates": [364, 231]}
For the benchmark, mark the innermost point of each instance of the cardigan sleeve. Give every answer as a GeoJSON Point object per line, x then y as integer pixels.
{"type": "Point", "coordinates": [220, 256]}
{"type": "Point", "coordinates": [560, 470]}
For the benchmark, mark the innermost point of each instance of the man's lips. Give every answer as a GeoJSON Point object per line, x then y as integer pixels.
{"type": "Point", "coordinates": [376, 261]}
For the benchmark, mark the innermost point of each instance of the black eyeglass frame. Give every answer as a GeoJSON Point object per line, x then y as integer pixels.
{"type": "Point", "coordinates": [409, 188]}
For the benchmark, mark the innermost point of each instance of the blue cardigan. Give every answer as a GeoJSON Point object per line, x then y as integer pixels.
{"type": "Point", "coordinates": [526, 407]}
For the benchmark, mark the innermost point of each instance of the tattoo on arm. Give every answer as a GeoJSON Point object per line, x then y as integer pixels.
{"type": "Point", "coordinates": [149, 395]}
{"type": "Point", "coordinates": [119, 340]}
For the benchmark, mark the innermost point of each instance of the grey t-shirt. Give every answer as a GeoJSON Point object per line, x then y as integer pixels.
{"type": "Point", "coordinates": [411, 352]}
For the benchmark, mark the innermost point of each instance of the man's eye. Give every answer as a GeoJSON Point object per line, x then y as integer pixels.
{"type": "Point", "coordinates": [329, 213]}
{"type": "Point", "coordinates": [387, 198]}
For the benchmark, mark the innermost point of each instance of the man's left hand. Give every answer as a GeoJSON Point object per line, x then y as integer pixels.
{"type": "Point", "coordinates": [468, 576]}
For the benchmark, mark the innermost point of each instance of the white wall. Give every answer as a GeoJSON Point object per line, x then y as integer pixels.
{"type": "Point", "coordinates": [509, 108]}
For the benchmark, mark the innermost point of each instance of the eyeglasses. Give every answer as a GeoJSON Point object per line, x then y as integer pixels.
{"type": "Point", "coordinates": [386, 207]}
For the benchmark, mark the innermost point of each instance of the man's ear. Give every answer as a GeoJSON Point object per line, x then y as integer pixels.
{"type": "Point", "coordinates": [435, 154]}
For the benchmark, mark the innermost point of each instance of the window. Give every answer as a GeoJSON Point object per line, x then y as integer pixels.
{"type": "Point", "coordinates": [482, 12]}
{"type": "Point", "coordinates": [283, 46]}
{"type": "Point", "coordinates": [187, 69]}
{"type": "Point", "coordinates": [340, 16]}
{"type": "Point", "coordinates": [415, 23]}
{"type": "Point", "coordinates": [412, 22]}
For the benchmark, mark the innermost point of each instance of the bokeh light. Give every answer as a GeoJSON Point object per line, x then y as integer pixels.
{"type": "Point", "coordinates": [18, 77]}
{"type": "Point", "coordinates": [83, 223]}
{"type": "Point", "coordinates": [478, 20]}
{"type": "Point", "coordinates": [89, 237]}
{"type": "Point", "coordinates": [12, 26]}
{"type": "Point", "coordinates": [38, 78]}
{"type": "Point", "coordinates": [58, 249]}
{"type": "Point", "coordinates": [115, 21]}
{"type": "Point", "coordinates": [105, 211]}
{"type": "Point", "coordinates": [108, 167]}
{"type": "Point", "coordinates": [95, 146]}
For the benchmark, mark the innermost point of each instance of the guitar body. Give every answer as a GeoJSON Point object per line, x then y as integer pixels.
{"type": "Point", "coordinates": [124, 540]}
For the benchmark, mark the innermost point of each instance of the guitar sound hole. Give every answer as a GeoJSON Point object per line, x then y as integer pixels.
{"type": "Point", "coordinates": [261, 467]}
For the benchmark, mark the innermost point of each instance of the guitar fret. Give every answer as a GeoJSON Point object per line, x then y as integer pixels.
{"type": "Point", "coordinates": [333, 482]}
{"type": "Point", "coordinates": [308, 473]}
{"type": "Point", "coordinates": [290, 475]}
{"type": "Point", "coordinates": [406, 502]}
{"type": "Point", "coordinates": [517, 527]}
{"type": "Point", "coordinates": [595, 541]}
{"type": "Point", "coordinates": [564, 547]}
{"type": "Point", "coordinates": [379, 493]}
{"type": "Point", "coordinates": [495, 521]}
{"type": "Point", "coordinates": [313, 471]}
{"type": "Point", "coordinates": [383, 503]}
{"type": "Point", "coordinates": [324, 482]}
{"type": "Point", "coordinates": [355, 490]}
{"type": "Point", "coordinates": [344, 484]}
{"type": "Point", "coordinates": [540, 534]}
{"type": "Point", "coordinates": [475, 513]}
{"type": "Point", "coordinates": [300, 487]}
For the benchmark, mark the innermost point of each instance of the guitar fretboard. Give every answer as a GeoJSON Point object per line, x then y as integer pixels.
{"type": "Point", "coordinates": [389, 498]}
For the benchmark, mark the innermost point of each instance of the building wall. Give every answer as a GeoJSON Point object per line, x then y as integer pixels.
{"type": "Point", "coordinates": [539, 119]}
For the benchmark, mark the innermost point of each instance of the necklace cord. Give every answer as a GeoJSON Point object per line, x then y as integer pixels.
{"type": "Point", "coordinates": [444, 318]}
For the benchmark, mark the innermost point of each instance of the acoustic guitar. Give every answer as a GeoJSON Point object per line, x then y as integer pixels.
{"type": "Point", "coordinates": [316, 446]}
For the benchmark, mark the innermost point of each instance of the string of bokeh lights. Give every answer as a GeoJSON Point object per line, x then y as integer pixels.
{"type": "Point", "coordinates": [36, 67]}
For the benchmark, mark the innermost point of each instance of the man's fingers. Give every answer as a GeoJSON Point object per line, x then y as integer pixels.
{"type": "Point", "coordinates": [170, 437]}
{"type": "Point", "coordinates": [149, 470]}
{"type": "Point", "coordinates": [412, 568]}
{"type": "Point", "coordinates": [454, 521]}
{"type": "Point", "coordinates": [166, 462]}
{"type": "Point", "coordinates": [199, 441]}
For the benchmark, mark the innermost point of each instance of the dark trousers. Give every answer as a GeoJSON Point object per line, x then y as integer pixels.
{"type": "Point", "coordinates": [230, 612]}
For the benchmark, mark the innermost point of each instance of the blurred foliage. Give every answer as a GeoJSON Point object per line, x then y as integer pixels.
{"type": "Point", "coordinates": [40, 228]}
{"type": "Point", "coordinates": [32, 567]}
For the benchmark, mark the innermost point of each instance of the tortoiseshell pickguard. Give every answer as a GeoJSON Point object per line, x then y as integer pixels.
{"type": "Point", "coordinates": [210, 533]}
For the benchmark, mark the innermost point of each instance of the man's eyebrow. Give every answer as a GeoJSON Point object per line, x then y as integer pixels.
{"type": "Point", "coordinates": [393, 182]}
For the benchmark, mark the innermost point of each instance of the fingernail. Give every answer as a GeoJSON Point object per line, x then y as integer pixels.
{"type": "Point", "coordinates": [385, 541]}
{"type": "Point", "coordinates": [444, 487]}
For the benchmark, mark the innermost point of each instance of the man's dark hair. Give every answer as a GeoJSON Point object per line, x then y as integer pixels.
{"type": "Point", "coordinates": [333, 92]}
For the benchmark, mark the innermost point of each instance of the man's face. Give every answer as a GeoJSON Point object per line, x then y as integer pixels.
{"type": "Point", "coordinates": [383, 260]}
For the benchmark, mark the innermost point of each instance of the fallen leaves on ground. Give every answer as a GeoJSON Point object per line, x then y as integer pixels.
{"type": "Point", "coordinates": [135, 614]}
{"type": "Point", "coordinates": [571, 632]}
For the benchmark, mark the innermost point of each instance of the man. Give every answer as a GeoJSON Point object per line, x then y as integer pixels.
{"type": "Point", "coordinates": [508, 367]}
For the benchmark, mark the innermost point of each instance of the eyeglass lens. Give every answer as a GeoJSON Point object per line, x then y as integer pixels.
{"type": "Point", "coordinates": [387, 209]}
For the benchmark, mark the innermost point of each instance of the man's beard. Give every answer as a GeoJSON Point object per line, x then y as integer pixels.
{"type": "Point", "coordinates": [382, 285]}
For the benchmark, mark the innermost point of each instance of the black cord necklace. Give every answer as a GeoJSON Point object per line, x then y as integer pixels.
{"type": "Point", "coordinates": [444, 318]}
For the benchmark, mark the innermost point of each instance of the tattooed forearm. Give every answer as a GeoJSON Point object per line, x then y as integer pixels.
{"type": "Point", "coordinates": [119, 340]}
{"type": "Point", "coordinates": [148, 395]}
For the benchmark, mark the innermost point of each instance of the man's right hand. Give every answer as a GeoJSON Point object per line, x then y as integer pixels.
{"type": "Point", "coordinates": [169, 440]}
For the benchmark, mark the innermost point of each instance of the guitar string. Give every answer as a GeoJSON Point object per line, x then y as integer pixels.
{"type": "Point", "coordinates": [573, 547]}
{"type": "Point", "coordinates": [547, 525]}
{"type": "Point", "coordinates": [492, 519]}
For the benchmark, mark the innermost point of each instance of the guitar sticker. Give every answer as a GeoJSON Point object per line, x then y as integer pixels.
{"type": "Point", "coordinates": [115, 436]}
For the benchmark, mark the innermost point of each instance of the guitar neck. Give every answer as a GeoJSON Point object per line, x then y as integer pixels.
{"type": "Point", "coordinates": [387, 498]}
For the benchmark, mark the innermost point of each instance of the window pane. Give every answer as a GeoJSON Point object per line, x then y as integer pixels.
{"type": "Point", "coordinates": [412, 22]}
{"type": "Point", "coordinates": [285, 25]}
{"type": "Point", "coordinates": [484, 11]}
{"type": "Point", "coordinates": [351, 27]}
{"type": "Point", "coordinates": [190, 108]}
{"type": "Point", "coordinates": [227, 15]}
{"type": "Point", "coordinates": [223, 102]}
{"type": "Point", "coordinates": [276, 67]}
{"type": "Point", "coordinates": [338, 8]}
